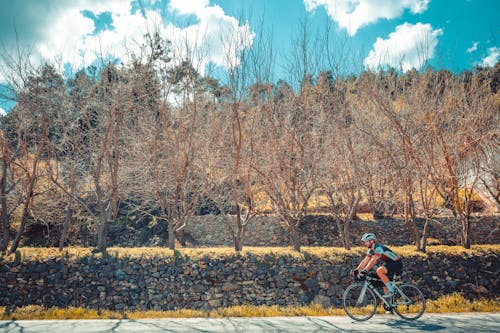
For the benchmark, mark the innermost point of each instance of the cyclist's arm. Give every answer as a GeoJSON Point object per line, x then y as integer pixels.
{"type": "Point", "coordinates": [373, 260]}
{"type": "Point", "coordinates": [364, 263]}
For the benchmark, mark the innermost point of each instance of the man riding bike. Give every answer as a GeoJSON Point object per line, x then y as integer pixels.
{"type": "Point", "coordinates": [391, 263]}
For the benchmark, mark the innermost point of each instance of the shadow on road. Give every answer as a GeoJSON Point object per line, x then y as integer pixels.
{"type": "Point", "coordinates": [477, 323]}
{"type": "Point", "coordinates": [421, 325]}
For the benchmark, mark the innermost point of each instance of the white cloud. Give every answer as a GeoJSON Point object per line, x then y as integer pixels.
{"type": "Point", "coordinates": [2, 112]}
{"type": "Point", "coordinates": [410, 46]}
{"type": "Point", "coordinates": [493, 56]}
{"type": "Point", "coordinates": [185, 7]}
{"type": "Point", "coordinates": [65, 32]}
{"type": "Point", "coordinates": [354, 14]}
{"type": "Point", "coordinates": [68, 35]}
{"type": "Point", "coordinates": [213, 39]}
{"type": "Point", "coordinates": [473, 48]}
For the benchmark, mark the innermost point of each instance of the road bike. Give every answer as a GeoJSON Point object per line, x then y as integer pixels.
{"type": "Point", "coordinates": [361, 298]}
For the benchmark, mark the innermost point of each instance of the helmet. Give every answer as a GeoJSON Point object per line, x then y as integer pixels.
{"type": "Point", "coordinates": [368, 237]}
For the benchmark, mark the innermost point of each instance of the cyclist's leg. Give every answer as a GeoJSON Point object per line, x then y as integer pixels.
{"type": "Point", "coordinates": [394, 267]}
{"type": "Point", "coordinates": [386, 273]}
{"type": "Point", "coordinates": [382, 274]}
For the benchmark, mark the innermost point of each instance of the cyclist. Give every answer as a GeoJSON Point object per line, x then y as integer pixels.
{"type": "Point", "coordinates": [391, 263]}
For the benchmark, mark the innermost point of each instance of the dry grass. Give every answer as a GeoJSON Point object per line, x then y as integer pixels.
{"type": "Point", "coordinates": [449, 303]}
{"type": "Point", "coordinates": [76, 253]}
{"type": "Point", "coordinates": [37, 312]}
{"type": "Point", "coordinates": [274, 311]}
{"type": "Point", "coordinates": [456, 302]}
{"type": "Point", "coordinates": [331, 254]}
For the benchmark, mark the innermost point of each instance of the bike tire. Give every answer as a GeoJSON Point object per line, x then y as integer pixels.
{"type": "Point", "coordinates": [359, 311]}
{"type": "Point", "coordinates": [410, 304]}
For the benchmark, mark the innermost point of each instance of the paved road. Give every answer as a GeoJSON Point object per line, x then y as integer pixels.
{"type": "Point", "coordinates": [476, 323]}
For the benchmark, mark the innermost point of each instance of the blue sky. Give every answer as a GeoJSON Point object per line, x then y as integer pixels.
{"type": "Point", "coordinates": [455, 34]}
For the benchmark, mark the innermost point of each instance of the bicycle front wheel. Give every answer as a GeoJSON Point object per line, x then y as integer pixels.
{"type": "Point", "coordinates": [409, 302]}
{"type": "Point", "coordinates": [359, 302]}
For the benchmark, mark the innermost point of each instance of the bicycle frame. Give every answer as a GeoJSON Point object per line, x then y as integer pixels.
{"type": "Point", "coordinates": [368, 284]}
{"type": "Point", "coordinates": [397, 290]}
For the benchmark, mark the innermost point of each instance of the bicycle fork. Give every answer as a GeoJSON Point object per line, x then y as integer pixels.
{"type": "Point", "coordinates": [361, 297]}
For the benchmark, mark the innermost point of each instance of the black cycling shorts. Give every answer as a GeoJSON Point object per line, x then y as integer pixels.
{"type": "Point", "coordinates": [393, 267]}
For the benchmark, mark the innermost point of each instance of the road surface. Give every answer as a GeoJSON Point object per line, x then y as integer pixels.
{"type": "Point", "coordinates": [470, 322]}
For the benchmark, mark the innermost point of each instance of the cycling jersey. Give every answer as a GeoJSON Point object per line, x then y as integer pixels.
{"type": "Point", "coordinates": [383, 252]}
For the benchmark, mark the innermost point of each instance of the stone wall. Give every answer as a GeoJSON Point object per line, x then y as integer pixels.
{"type": "Point", "coordinates": [213, 230]}
{"type": "Point", "coordinates": [322, 231]}
{"type": "Point", "coordinates": [181, 282]}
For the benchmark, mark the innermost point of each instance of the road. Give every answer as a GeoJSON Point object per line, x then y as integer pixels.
{"type": "Point", "coordinates": [470, 322]}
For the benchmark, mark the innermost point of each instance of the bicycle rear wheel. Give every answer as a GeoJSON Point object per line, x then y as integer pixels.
{"type": "Point", "coordinates": [358, 304]}
{"type": "Point", "coordinates": [409, 302]}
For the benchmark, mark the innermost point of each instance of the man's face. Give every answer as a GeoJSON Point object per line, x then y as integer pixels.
{"type": "Point", "coordinates": [369, 243]}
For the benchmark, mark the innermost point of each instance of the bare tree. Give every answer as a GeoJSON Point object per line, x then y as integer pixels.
{"type": "Point", "coordinates": [343, 167]}
{"type": "Point", "coordinates": [244, 64]}
{"type": "Point", "coordinates": [66, 168]}
{"type": "Point", "coordinates": [105, 103]}
{"type": "Point", "coordinates": [289, 155]}
{"type": "Point", "coordinates": [8, 182]}
{"type": "Point", "coordinates": [462, 122]}
{"type": "Point", "coordinates": [173, 140]}
{"type": "Point", "coordinates": [395, 140]}
{"type": "Point", "coordinates": [29, 127]}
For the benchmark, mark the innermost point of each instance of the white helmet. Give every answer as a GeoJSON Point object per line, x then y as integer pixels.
{"type": "Point", "coordinates": [368, 237]}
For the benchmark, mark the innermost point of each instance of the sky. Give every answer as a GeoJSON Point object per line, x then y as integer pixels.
{"type": "Point", "coordinates": [404, 34]}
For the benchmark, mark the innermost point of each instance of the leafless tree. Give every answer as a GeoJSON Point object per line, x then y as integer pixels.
{"type": "Point", "coordinates": [244, 65]}
{"type": "Point", "coordinates": [29, 127]}
{"type": "Point", "coordinates": [343, 167]}
{"type": "Point", "coordinates": [463, 121]}
{"type": "Point", "coordinates": [289, 155]}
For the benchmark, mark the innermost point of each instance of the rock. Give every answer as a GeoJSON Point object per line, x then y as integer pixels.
{"type": "Point", "coordinates": [214, 303]}
{"type": "Point", "coordinates": [281, 282]}
{"type": "Point", "coordinates": [322, 300]}
{"type": "Point", "coordinates": [303, 299]}
{"type": "Point", "coordinates": [311, 283]}
{"type": "Point", "coordinates": [120, 306]}
{"type": "Point", "coordinates": [229, 286]}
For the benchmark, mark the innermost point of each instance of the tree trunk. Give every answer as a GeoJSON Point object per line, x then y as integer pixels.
{"type": "Point", "coordinates": [5, 226]}
{"type": "Point", "coordinates": [66, 223]}
{"type": "Point", "coordinates": [102, 231]}
{"type": "Point", "coordinates": [238, 233]}
{"type": "Point", "coordinates": [410, 219]}
{"type": "Point", "coordinates": [171, 234]}
{"type": "Point", "coordinates": [4, 241]}
{"type": "Point", "coordinates": [69, 213]}
{"type": "Point", "coordinates": [238, 237]}
{"type": "Point", "coordinates": [414, 223]}
{"type": "Point", "coordinates": [425, 233]}
{"type": "Point", "coordinates": [347, 222]}
{"type": "Point", "coordinates": [238, 246]}
{"type": "Point", "coordinates": [465, 236]}
{"type": "Point", "coordinates": [24, 217]}
{"type": "Point", "coordinates": [347, 234]}
{"type": "Point", "coordinates": [341, 227]}
{"type": "Point", "coordinates": [20, 231]}
{"type": "Point", "coordinates": [294, 233]}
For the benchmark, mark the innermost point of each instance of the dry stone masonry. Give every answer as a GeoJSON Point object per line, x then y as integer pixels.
{"type": "Point", "coordinates": [164, 283]}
